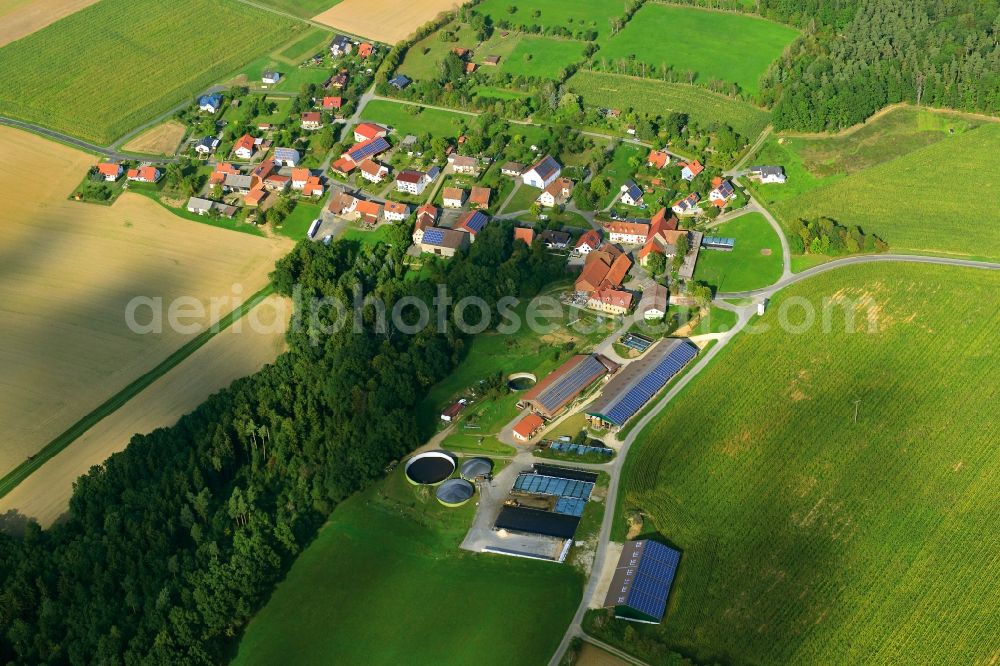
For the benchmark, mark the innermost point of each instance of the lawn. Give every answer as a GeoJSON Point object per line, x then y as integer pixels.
{"type": "Point", "coordinates": [315, 40]}
{"type": "Point", "coordinates": [717, 320]}
{"type": "Point", "coordinates": [297, 224]}
{"type": "Point", "coordinates": [385, 583]}
{"type": "Point", "coordinates": [714, 45]}
{"type": "Point", "coordinates": [810, 535]}
{"type": "Point", "coordinates": [489, 92]}
{"type": "Point", "coordinates": [423, 60]}
{"type": "Point", "coordinates": [292, 79]}
{"type": "Point", "coordinates": [574, 15]}
{"type": "Point", "coordinates": [408, 119]}
{"type": "Point", "coordinates": [754, 262]}
{"type": "Point", "coordinates": [621, 168]}
{"type": "Point", "coordinates": [366, 237]}
{"type": "Point", "coordinates": [935, 199]}
{"type": "Point", "coordinates": [541, 57]}
{"type": "Point", "coordinates": [301, 8]}
{"type": "Point", "coordinates": [657, 97]}
{"type": "Point", "coordinates": [128, 63]}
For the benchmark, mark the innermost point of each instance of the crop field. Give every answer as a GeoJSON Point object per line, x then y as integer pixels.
{"type": "Point", "coordinates": [128, 62]}
{"type": "Point", "coordinates": [387, 21]}
{"type": "Point", "coordinates": [162, 139]}
{"type": "Point", "coordinates": [238, 351]}
{"type": "Point", "coordinates": [713, 45]}
{"type": "Point", "coordinates": [19, 18]}
{"type": "Point", "coordinates": [934, 199]}
{"type": "Point", "coordinates": [541, 56]}
{"type": "Point", "coordinates": [834, 489]}
{"type": "Point", "coordinates": [658, 97]}
{"type": "Point", "coordinates": [408, 119]}
{"type": "Point", "coordinates": [754, 262]}
{"type": "Point", "coordinates": [385, 583]}
{"type": "Point", "coordinates": [301, 8]}
{"type": "Point", "coordinates": [69, 271]}
{"type": "Point", "coordinates": [571, 14]}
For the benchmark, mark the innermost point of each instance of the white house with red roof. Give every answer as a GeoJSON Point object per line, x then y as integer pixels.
{"type": "Point", "coordinates": [332, 103]}
{"type": "Point", "coordinates": [411, 182]}
{"type": "Point", "coordinates": [372, 171]}
{"type": "Point", "coordinates": [312, 120]}
{"type": "Point", "coordinates": [244, 147]}
{"type": "Point", "coordinates": [395, 211]}
{"type": "Point", "coordinates": [144, 174]}
{"type": "Point", "coordinates": [111, 171]}
{"type": "Point", "coordinates": [367, 131]}
{"type": "Point", "coordinates": [691, 169]}
{"type": "Point", "coordinates": [658, 159]}
{"type": "Point", "coordinates": [588, 242]}
{"type": "Point", "coordinates": [722, 193]}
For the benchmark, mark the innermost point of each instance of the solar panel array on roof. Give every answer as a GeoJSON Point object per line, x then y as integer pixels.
{"type": "Point", "coordinates": [477, 221]}
{"type": "Point", "coordinates": [433, 236]}
{"type": "Point", "coordinates": [574, 381]}
{"type": "Point", "coordinates": [570, 506]}
{"type": "Point", "coordinates": [621, 402]}
{"type": "Point", "coordinates": [369, 148]}
{"type": "Point", "coordinates": [652, 578]}
{"type": "Point", "coordinates": [550, 485]}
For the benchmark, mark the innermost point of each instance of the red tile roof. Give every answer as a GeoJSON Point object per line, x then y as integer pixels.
{"type": "Point", "coordinates": [591, 238]}
{"type": "Point", "coordinates": [658, 159]}
{"type": "Point", "coordinates": [618, 270]}
{"type": "Point", "coordinates": [333, 102]}
{"type": "Point", "coordinates": [365, 49]}
{"type": "Point", "coordinates": [370, 130]}
{"type": "Point", "coordinates": [632, 228]}
{"type": "Point", "coordinates": [527, 426]}
{"type": "Point", "coordinates": [396, 207]}
{"type": "Point", "coordinates": [300, 175]}
{"type": "Point", "coordinates": [245, 142]}
{"type": "Point", "coordinates": [525, 234]}
{"type": "Point", "coordinates": [108, 168]}
{"type": "Point", "coordinates": [694, 167]}
{"type": "Point", "coordinates": [480, 196]}
{"type": "Point", "coordinates": [343, 165]}
{"type": "Point", "coordinates": [608, 296]}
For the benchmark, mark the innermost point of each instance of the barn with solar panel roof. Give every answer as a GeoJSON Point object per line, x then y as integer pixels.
{"type": "Point", "coordinates": [641, 583]}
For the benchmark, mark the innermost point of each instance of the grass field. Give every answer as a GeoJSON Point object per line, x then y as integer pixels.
{"type": "Point", "coordinates": [385, 583]}
{"type": "Point", "coordinates": [542, 57]}
{"type": "Point", "coordinates": [754, 262]}
{"type": "Point", "coordinates": [127, 63]}
{"type": "Point", "coordinates": [936, 198]}
{"type": "Point", "coordinates": [301, 8]}
{"type": "Point", "coordinates": [162, 139]}
{"type": "Point", "coordinates": [402, 118]}
{"type": "Point", "coordinates": [808, 537]}
{"type": "Point", "coordinates": [423, 59]}
{"type": "Point", "coordinates": [387, 21]}
{"type": "Point", "coordinates": [650, 96]}
{"type": "Point", "coordinates": [70, 269]}
{"type": "Point", "coordinates": [620, 169]}
{"type": "Point", "coordinates": [314, 40]}
{"type": "Point", "coordinates": [573, 15]}
{"type": "Point", "coordinates": [715, 45]}
{"type": "Point", "coordinates": [23, 17]}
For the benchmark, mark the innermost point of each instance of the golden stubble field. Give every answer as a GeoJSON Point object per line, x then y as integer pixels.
{"type": "Point", "coordinates": [162, 139]}
{"type": "Point", "coordinates": [68, 271]}
{"type": "Point", "coordinates": [384, 20]}
{"type": "Point", "coordinates": [23, 17]}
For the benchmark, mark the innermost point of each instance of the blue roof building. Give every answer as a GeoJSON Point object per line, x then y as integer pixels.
{"type": "Point", "coordinates": [642, 580]}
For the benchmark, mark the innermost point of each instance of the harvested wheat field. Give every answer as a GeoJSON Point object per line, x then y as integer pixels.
{"type": "Point", "coordinates": [384, 20]}
{"type": "Point", "coordinates": [23, 17]}
{"type": "Point", "coordinates": [236, 352]}
{"type": "Point", "coordinates": [67, 272]}
{"type": "Point", "coordinates": [159, 140]}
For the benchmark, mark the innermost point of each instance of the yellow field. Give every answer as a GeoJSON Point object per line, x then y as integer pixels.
{"type": "Point", "coordinates": [23, 17]}
{"type": "Point", "coordinates": [232, 354]}
{"type": "Point", "coordinates": [387, 21]}
{"type": "Point", "coordinates": [159, 140]}
{"type": "Point", "coordinates": [67, 272]}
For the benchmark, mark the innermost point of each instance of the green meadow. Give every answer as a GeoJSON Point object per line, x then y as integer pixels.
{"type": "Point", "coordinates": [714, 45]}
{"type": "Point", "coordinates": [574, 15]}
{"type": "Point", "coordinates": [833, 488]}
{"type": "Point", "coordinates": [754, 262]}
{"type": "Point", "coordinates": [408, 119]}
{"type": "Point", "coordinates": [542, 57]}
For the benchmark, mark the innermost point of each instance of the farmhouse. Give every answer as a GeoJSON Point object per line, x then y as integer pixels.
{"type": "Point", "coordinates": [207, 145]}
{"type": "Point", "coordinates": [144, 174]}
{"type": "Point", "coordinates": [111, 171]}
{"type": "Point", "coordinates": [491, 60]}
{"type": "Point", "coordinates": [542, 173]}
{"type": "Point", "coordinates": [263, 170]}
{"type": "Point", "coordinates": [479, 198]}
{"type": "Point", "coordinates": [631, 194]}
{"type": "Point", "coordinates": [722, 193]}
{"type": "Point", "coordinates": [368, 211]}
{"type": "Point", "coordinates": [270, 78]}
{"type": "Point", "coordinates": [427, 215]}
{"type": "Point", "coordinates": [338, 80]}
{"type": "Point", "coordinates": [466, 165]}
{"type": "Point", "coordinates": [691, 169]}
{"type": "Point", "coordinates": [368, 131]}
{"type": "Point", "coordinates": [526, 234]}
{"type": "Point", "coordinates": [365, 149]}
{"type": "Point", "coordinates": [204, 206]}
{"type": "Point", "coordinates": [688, 205]}
{"type": "Point", "coordinates": [411, 182]}
{"type": "Point", "coordinates": [512, 169]}
{"type": "Point", "coordinates": [342, 204]}
{"type": "Point", "coordinates": [443, 242]}
{"type": "Point", "coordinates": [562, 386]}
{"type": "Point", "coordinates": [288, 157]}
{"type": "Point", "coordinates": [312, 120]}
{"type": "Point", "coordinates": [277, 183]}
{"type": "Point", "coordinates": [658, 159]}
{"type": "Point", "coordinates": [638, 382]}
{"type": "Point", "coordinates": [365, 49]}
{"type": "Point", "coordinates": [396, 212]}
{"type": "Point", "coordinates": [609, 300]}
{"type": "Point", "coordinates": [255, 197]}
{"type": "Point", "coordinates": [244, 147]}
{"type": "Point", "coordinates": [222, 170]}
{"type": "Point", "coordinates": [767, 174]}
{"type": "Point", "coordinates": [332, 103]}
{"type": "Point", "coordinates": [527, 427]}
{"type": "Point", "coordinates": [653, 304]}
{"type": "Point", "coordinates": [557, 193]}
{"type": "Point", "coordinates": [472, 223]}
{"type": "Point", "coordinates": [209, 103]}
{"type": "Point", "coordinates": [588, 242]}
{"type": "Point", "coordinates": [373, 171]}
{"type": "Point", "coordinates": [605, 267]}
{"type": "Point", "coordinates": [627, 232]}
{"type": "Point", "coordinates": [453, 197]}
{"type": "Point", "coordinates": [641, 582]}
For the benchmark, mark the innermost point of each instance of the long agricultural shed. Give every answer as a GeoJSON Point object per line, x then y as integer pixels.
{"type": "Point", "coordinates": [639, 381]}
{"type": "Point", "coordinates": [564, 384]}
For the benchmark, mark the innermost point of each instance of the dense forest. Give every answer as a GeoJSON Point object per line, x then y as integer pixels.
{"type": "Point", "coordinates": [857, 56]}
{"type": "Point", "coordinates": [172, 545]}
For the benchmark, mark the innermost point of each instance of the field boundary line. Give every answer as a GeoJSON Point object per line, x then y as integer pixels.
{"type": "Point", "coordinates": [13, 478]}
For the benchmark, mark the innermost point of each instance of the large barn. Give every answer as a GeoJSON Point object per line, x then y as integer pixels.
{"type": "Point", "coordinates": [566, 382]}
{"type": "Point", "coordinates": [641, 582]}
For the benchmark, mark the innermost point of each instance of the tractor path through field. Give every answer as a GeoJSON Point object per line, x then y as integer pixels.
{"type": "Point", "coordinates": [745, 314]}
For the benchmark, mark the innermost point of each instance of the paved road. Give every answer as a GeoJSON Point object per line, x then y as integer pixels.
{"type": "Point", "coordinates": [106, 151]}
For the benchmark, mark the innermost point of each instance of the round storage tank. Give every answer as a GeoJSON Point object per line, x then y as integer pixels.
{"type": "Point", "coordinates": [476, 467]}
{"type": "Point", "coordinates": [455, 492]}
{"type": "Point", "coordinates": [430, 468]}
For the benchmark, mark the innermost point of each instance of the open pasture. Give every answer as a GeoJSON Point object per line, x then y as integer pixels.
{"type": "Point", "coordinates": [714, 45]}
{"type": "Point", "coordinates": [409, 119]}
{"type": "Point", "coordinates": [574, 15]}
{"type": "Point", "coordinates": [388, 21]}
{"type": "Point", "coordinates": [657, 97]}
{"type": "Point", "coordinates": [939, 198]}
{"type": "Point", "coordinates": [162, 139]}
{"type": "Point", "coordinates": [69, 270]}
{"type": "Point", "coordinates": [810, 535]}
{"type": "Point", "coordinates": [124, 63]}
{"type": "Point", "coordinates": [541, 57]}
{"type": "Point", "coordinates": [754, 262]}
{"type": "Point", "coordinates": [19, 18]}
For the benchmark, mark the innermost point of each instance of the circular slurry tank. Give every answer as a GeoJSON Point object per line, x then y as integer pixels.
{"type": "Point", "coordinates": [430, 468]}
{"type": "Point", "coordinates": [476, 467]}
{"type": "Point", "coordinates": [455, 492]}
{"type": "Point", "coordinates": [521, 381]}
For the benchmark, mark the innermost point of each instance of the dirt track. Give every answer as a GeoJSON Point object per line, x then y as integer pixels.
{"type": "Point", "coordinates": [231, 354]}
{"type": "Point", "coordinates": [19, 18]}
{"type": "Point", "coordinates": [67, 272]}
{"type": "Point", "coordinates": [160, 140]}
{"type": "Point", "coordinates": [384, 20]}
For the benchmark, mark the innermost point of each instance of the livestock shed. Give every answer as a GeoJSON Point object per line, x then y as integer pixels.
{"type": "Point", "coordinates": [535, 521]}
{"type": "Point", "coordinates": [626, 394]}
{"type": "Point", "coordinates": [566, 382]}
{"type": "Point", "coordinates": [642, 580]}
